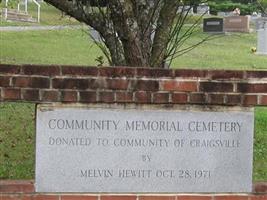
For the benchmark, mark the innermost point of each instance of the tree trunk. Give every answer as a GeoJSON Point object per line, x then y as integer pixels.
{"type": "Point", "coordinates": [163, 31]}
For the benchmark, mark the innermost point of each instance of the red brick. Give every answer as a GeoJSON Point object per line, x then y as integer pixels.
{"type": "Point", "coordinates": [45, 197]}
{"type": "Point", "coordinates": [233, 99]}
{"type": "Point", "coordinates": [117, 84]}
{"type": "Point", "coordinates": [11, 94]}
{"type": "Point", "coordinates": [124, 97]}
{"type": "Point", "coordinates": [69, 96]}
{"type": "Point", "coordinates": [250, 100]}
{"type": "Point", "coordinates": [231, 197]}
{"type": "Point", "coordinates": [226, 74]}
{"type": "Point", "coordinates": [263, 100]}
{"type": "Point", "coordinates": [260, 187]}
{"type": "Point", "coordinates": [88, 97]}
{"type": "Point", "coordinates": [50, 95]}
{"type": "Point", "coordinates": [145, 85]}
{"type": "Point", "coordinates": [79, 71]}
{"type": "Point", "coordinates": [199, 98]}
{"type": "Point", "coordinates": [99, 83]}
{"type": "Point", "coordinates": [9, 69]}
{"type": "Point", "coordinates": [256, 74]}
{"type": "Point", "coordinates": [31, 82]}
{"type": "Point", "coordinates": [215, 87]}
{"type": "Point", "coordinates": [132, 197]}
{"type": "Point", "coordinates": [13, 186]}
{"type": "Point", "coordinates": [252, 88]}
{"type": "Point", "coordinates": [41, 70]}
{"type": "Point", "coordinates": [179, 86]}
{"type": "Point", "coordinates": [160, 97]}
{"type": "Point", "coordinates": [27, 197]}
{"type": "Point", "coordinates": [142, 97]}
{"type": "Point", "coordinates": [106, 97]}
{"type": "Point", "coordinates": [152, 72]}
{"type": "Point", "coordinates": [157, 198]}
{"type": "Point", "coordinates": [186, 73]}
{"type": "Point", "coordinates": [197, 197]}
{"type": "Point", "coordinates": [117, 71]}
{"type": "Point", "coordinates": [78, 197]}
{"type": "Point", "coordinates": [258, 197]}
{"type": "Point", "coordinates": [4, 81]}
{"type": "Point", "coordinates": [179, 98]}
{"type": "Point", "coordinates": [70, 83]}
{"type": "Point", "coordinates": [30, 95]}
{"type": "Point", "coordinates": [10, 197]}
{"type": "Point", "coordinates": [216, 98]}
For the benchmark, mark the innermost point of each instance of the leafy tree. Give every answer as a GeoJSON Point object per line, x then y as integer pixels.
{"type": "Point", "coordinates": [263, 6]}
{"type": "Point", "coordinates": [136, 32]}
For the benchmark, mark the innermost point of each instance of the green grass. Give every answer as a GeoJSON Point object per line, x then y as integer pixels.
{"type": "Point", "coordinates": [48, 47]}
{"type": "Point", "coordinates": [260, 145]}
{"type": "Point", "coordinates": [74, 47]}
{"type": "Point", "coordinates": [49, 16]}
{"type": "Point", "coordinates": [17, 140]}
{"type": "Point", "coordinates": [231, 51]}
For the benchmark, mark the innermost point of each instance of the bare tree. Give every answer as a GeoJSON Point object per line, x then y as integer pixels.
{"type": "Point", "coordinates": [135, 32]}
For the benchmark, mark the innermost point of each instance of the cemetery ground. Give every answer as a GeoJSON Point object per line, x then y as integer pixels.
{"type": "Point", "coordinates": [74, 47]}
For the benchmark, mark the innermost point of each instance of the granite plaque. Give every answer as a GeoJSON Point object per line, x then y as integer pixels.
{"type": "Point", "coordinates": [213, 25]}
{"type": "Point", "coordinates": [144, 150]}
{"type": "Point", "coordinates": [237, 24]}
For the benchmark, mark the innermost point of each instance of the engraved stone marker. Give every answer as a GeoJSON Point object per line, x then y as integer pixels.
{"type": "Point", "coordinates": [119, 150]}
{"type": "Point", "coordinates": [237, 24]}
{"type": "Point", "coordinates": [213, 25]}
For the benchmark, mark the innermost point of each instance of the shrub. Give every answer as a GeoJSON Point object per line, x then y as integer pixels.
{"type": "Point", "coordinates": [227, 6]}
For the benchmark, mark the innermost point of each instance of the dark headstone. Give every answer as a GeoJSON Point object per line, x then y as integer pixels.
{"type": "Point", "coordinates": [213, 25]}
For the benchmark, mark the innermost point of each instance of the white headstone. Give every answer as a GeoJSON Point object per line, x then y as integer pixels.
{"type": "Point", "coordinates": [262, 41]}
{"type": "Point", "coordinates": [186, 9]}
{"type": "Point", "coordinates": [203, 10]}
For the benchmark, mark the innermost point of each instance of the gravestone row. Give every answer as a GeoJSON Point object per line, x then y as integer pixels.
{"type": "Point", "coordinates": [227, 24]}
{"type": "Point", "coordinates": [232, 24]}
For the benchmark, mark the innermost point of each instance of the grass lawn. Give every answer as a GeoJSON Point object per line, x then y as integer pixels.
{"type": "Point", "coordinates": [48, 47]}
{"type": "Point", "coordinates": [73, 47]}
{"type": "Point", "coordinates": [230, 51]}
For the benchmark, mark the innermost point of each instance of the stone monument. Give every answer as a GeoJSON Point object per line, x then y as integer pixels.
{"type": "Point", "coordinates": [237, 24]}
{"type": "Point", "coordinates": [120, 149]}
{"type": "Point", "coordinates": [213, 25]}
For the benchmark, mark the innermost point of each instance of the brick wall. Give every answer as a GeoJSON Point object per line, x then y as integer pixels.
{"type": "Point", "coordinates": [24, 190]}
{"type": "Point", "coordinates": [132, 85]}
{"type": "Point", "coordinates": [70, 84]}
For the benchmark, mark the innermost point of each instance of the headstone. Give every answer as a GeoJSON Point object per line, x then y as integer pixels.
{"type": "Point", "coordinates": [213, 25]}
{"type": "Point", "coordinates": [236, 24]}
{"type": "Point", "coordinates": [261, 23]}
{"type": "Point", "coordinates": [262, 41]}
{"type": "Point", "coordinates": [225, 14]}
{"type": "Point", "coordinates": [130, 150]}
{"type": "Point", "coordinates": [203, 9]}
{"type": "Point", "coordinates": [186, 9]}
{"type": "Point", "coordinates": [255, 16]}
{"type": "Point", "coordinates": [221, 14]}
